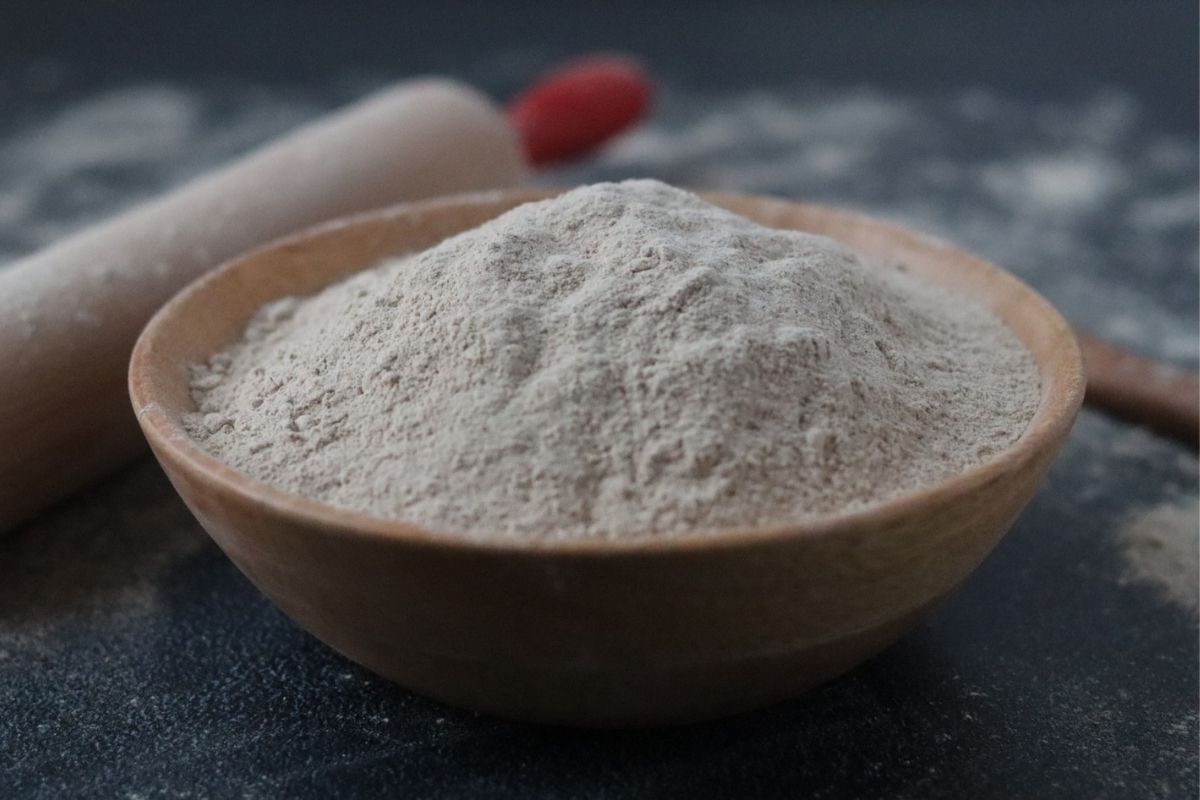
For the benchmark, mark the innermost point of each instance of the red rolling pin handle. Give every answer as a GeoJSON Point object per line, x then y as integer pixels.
{"type": "Point", "coordinates": [579, 106]}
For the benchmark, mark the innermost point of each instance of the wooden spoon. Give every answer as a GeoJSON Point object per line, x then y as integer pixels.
{"type": "Point", "coordinates": [1149, 393]}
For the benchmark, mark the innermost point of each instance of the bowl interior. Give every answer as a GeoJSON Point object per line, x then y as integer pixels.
{"type": "Point", "coordinates": [212, 313]}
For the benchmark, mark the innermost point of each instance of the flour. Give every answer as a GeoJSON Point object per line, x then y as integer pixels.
{"type": "Point", "coordinates": [1161, 546]}
{"type": "Point", "coordinates": [625, 359]}
{"type": "Point", "coordinates": [101, 154]}
{"type": "Point", "coordinates": [99, 561]}
{"type": "Point", "coordinates": [1085, 199]}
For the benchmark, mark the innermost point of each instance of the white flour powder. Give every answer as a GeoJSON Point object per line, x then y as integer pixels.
{"type": "Point", "coordinates": [1161, 545]}
{"type": "Point", "coordinates": [625, 359]}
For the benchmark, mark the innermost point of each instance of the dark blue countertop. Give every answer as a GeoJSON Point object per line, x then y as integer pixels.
{"type": "Point", "coordinates": [1058, 140]}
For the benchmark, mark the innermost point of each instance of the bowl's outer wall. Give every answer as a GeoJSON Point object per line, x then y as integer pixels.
{"type": "Point", "coordinates": [588, 635]}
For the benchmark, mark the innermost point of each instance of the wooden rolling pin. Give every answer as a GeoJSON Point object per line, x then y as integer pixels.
{"type": "Point", "coordinates": [69, 315]}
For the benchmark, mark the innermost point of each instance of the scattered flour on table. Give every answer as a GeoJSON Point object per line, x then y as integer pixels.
{"type": "Point", "coordinates": [622, 360]}
{"type": "Point", "coordinates": [100, 560]}
{"type": "Point", "coordinates": [91, 158]}
{"type": "Point", "coordinates": [1161, 546]}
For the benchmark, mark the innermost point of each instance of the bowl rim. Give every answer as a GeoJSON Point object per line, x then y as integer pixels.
{"type": "Point", "coordinates": [1055, 413]}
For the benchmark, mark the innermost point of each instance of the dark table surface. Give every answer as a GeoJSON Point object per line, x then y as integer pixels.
{"type": "Point", "coordinates": [1057, 139]}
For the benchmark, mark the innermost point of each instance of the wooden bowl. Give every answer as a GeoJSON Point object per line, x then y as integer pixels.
{"type": "Point", "coordinates": [639, 631]}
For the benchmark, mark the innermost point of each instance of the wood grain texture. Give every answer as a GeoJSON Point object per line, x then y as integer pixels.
{"type": "Point", "coordinates": [641, 631]}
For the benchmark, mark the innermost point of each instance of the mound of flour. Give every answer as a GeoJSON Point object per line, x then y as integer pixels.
{"type": "Point", "coordinates": [624, 359]}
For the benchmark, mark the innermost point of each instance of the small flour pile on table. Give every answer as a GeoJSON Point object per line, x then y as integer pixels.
{"type": "Point", "coordinates": [622, 360]}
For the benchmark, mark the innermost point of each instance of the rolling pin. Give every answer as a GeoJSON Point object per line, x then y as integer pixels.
{"type": "Point", "coordinates": [70, 314]}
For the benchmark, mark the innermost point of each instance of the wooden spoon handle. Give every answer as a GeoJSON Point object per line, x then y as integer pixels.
{"type": "Point", "coordinates": [1161, 397]}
